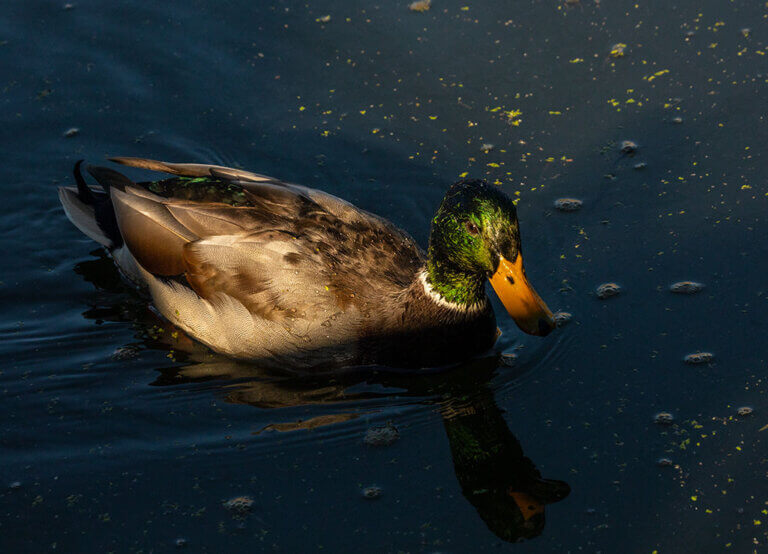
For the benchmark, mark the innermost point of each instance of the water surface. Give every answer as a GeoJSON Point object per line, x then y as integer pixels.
{"type": "Point", "coordinates": [113, 438]}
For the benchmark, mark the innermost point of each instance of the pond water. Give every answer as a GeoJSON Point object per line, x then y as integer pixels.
{"type": "Point", "coordinates": [111, 440]}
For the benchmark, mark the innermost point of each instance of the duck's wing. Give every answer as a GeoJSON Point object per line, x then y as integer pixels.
{"type": "Point", "coordinates": [258, 268]}
{"type": "Point", "coordinates": [211, 200]}
{"type": "Point", "coordinates": [262, 185]}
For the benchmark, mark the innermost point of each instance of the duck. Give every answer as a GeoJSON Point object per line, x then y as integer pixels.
{"type": "Point", "coordinates": [291, 277]}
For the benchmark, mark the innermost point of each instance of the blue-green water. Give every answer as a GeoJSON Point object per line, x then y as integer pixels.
{"type": "Point", "coordinates": [109, 442]}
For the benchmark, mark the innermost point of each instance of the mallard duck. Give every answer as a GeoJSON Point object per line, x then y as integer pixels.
{"type": "Point", "coordinates": [293, 277]}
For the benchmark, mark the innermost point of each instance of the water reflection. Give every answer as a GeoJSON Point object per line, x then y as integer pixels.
{"type": "Point", "coordinates": [496, 477]}
{"type": "Point", "coordinates": [494, 474]}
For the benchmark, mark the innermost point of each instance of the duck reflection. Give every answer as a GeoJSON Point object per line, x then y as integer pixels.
{"type": "Point", "coordinates": [494, 474]}
{"type": "Point", "coordinates": [502, 484]}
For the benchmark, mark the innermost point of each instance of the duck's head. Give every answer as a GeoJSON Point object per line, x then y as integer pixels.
{"type": "Point", "coordinates": [475, 236]}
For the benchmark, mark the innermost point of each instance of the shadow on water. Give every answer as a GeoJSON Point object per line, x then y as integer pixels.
{"type": "Point", "coordinates": [496, 478]}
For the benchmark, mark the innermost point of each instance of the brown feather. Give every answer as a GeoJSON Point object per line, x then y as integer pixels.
{"type": "Point", "coordinates": [151, 233]}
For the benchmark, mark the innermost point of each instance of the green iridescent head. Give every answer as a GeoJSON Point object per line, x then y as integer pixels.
{"type": "Point", "coordinates": [475, 235]}
{"type": "Point", "coordinates": [475, 223]}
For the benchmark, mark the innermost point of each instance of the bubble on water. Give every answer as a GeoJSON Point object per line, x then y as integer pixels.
{"type": "Point", "coordinates": [568, 204]}
{"type": "Point", "coordinates": [125, 353]}
{"type": "Point", "coordinates": [372, 492]}
{"type": "Point", "coordinates": [508, 359]}
{"type": "Point", "coordinates": [606, 290]}
{"type": "Point", "coordinates": [381, 435]}
{"type": "Point", "coordinates": [686, 287]}
{"type": "Point", "coordinates": [628, 147]}
{"type": "Point", "coordinates": [663, 418]}
{"type": "Point", "coordinates": [487, 147]}
{"type": "Point", "coordinates": [745, 411]}
{"type": "Point", "coordinates": [664, 462]}
{"type": "Point", "coordinates": [699, 358]}
{"type": "Point", "coordinates": [562, 318]}
{"type": "Point", "coordinates": [239, 506]}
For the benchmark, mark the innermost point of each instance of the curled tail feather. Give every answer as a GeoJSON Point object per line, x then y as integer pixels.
{"type": "Point", "coordinates": [91, 211]}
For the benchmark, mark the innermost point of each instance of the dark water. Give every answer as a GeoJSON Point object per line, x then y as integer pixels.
{"type": "Point", "coordinates": [110, 441]}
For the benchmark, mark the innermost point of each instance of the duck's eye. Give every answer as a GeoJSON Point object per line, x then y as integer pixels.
{"type": "Point", "coordinates": [471, 227]}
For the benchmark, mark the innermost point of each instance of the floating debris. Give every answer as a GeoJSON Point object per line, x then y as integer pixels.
{"type": "Point", "coordinates": [508, 359]}
{"type": "Point", "coordinates": [125, 353]}
{"type": "Point", "coordinates": [745, 411]}
{"type": "Point", "coordinates": [420, 5]}
{"type": "Point", "coordinates": [745, 31]}
{"type": "Point", "coordinates": [686, 287]}
{"type": "Point", "coordinates": [606, 290]}
{"type": "Point", "coordinates": [372, 492]}
{"type": "Point", "coordinates": [689, 35]}
{"type": "Point", "coordinates": [568, 204]}
{"type": "Point", "coordinates": [68, 7]}
{"type": "Point", "coordinates": [699, 358]}
{"type": "Point", "coordinates": [663, 418]}
{"type": "Point", "coordinates": [640, 165]}
{"type": "Point", "coordinates": [14, 485]}
{"type": "Point", "coordinates": [240, 506]}
{"type": "Point", "coordinates": [487, 147]}
{"type": "Point", "coordinates": [618, 50]}
{"type": "Point", "coordinates": [677, 120]}
{"type": "Point", "coordinates": [71, 132]}
{"type": "Point", "coordinates": [628, 147]}
{"type": "Point", "coordinates": [664, 462]}
{"type": "Point", "coordinates": [181, 543]}
{"type": "Point", "coordinates": [562, 318]}
{"type": "Point", "coordinates": [323, 19]}
{"type": "Point", "coordinates": [382, 435]}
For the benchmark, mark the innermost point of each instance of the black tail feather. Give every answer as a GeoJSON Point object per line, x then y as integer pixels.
{"type": "Point", "coordinates": [102, 204]}
{"type": "Point", "coordinates": [83, 190]}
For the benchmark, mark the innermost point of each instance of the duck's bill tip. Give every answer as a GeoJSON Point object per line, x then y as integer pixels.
{"type": "Point", "coordinates": [528, 505]}
{"type": "Point", "coordinates": [522, 302]}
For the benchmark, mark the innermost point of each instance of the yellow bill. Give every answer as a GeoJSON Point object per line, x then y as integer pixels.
{"type": "Point", "coordinates": [525, 306]}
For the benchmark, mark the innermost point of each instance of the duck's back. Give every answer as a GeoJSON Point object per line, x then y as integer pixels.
{"type": "Point", "coordinates": [251, 266]}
